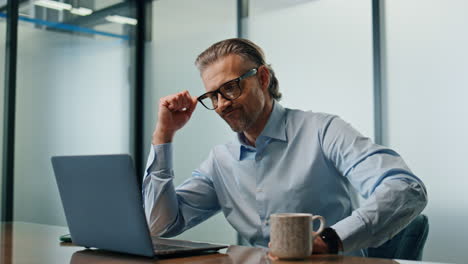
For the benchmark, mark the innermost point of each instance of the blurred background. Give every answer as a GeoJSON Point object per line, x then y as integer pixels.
{"type": "Point", "coordinates": [84, 77]}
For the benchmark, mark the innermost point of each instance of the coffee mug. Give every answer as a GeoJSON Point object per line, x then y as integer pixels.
{"type": "Point", "coordinates": [291, 234]}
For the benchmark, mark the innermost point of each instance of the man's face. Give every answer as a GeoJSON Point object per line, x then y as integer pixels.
{"type": "Point", "coordinates": [242, 113]}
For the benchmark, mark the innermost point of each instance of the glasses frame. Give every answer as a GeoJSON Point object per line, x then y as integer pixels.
{"type": "Point", "coordinates": [249, 73]}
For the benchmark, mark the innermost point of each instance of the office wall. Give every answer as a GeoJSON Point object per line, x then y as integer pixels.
{"type": "Point", "coordinates": [181, 30]}
{"type": "Point", "coordinates": [73, 98]}
{"type": "Point", "coordinates": [426, 65]}
{"type": "Point", "coordinates": [322, 54]}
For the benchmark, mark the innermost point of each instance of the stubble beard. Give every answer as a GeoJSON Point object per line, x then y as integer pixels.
{"type": "Point", "coordinates": [240, 124]}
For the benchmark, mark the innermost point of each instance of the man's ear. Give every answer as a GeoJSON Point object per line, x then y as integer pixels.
{"type": "Point", "coordinates": [264, 74]}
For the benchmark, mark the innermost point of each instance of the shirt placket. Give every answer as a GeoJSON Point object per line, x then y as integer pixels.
{"type": "Point", "coordinates": [260, 191]}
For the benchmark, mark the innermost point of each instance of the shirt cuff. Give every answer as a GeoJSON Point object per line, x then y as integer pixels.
{"type": "Point", "coordinates": [348, 230]}
{"type": "Point", "coordinates": [161, 157]}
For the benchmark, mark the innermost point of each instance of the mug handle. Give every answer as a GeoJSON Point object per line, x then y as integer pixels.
{"type": "Point", "coordinates": [322, 225]}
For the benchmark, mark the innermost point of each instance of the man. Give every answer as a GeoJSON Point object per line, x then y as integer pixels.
{"type": "Point", "coordinates": [281, 160]}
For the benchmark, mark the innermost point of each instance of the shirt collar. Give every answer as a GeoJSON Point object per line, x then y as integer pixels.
{"type": "Point", "coordinates": [274, 129]}
{"type": "Point", "coordinates": [276, 125]}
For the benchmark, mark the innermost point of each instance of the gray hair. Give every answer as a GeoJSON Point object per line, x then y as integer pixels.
{"type": "Point", "coordinates": [245, 49]}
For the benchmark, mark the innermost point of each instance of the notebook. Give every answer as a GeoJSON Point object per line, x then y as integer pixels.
{"type": "Point", "coordinates": [104, 208]}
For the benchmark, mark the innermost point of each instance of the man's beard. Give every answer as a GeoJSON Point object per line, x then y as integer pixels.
{"type": "Point", "coordinates": [242, 123]}
{"type": "Point", "coordinates": [238, 126]}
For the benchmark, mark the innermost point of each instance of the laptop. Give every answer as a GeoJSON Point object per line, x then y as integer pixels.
{"type": "Point", "coordinates": [104, 208]}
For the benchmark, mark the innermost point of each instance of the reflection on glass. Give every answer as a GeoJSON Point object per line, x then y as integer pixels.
{"type": "Point", "coordinates": [73, 95]}
{"type": "Point", "coordinates": [89, 18]}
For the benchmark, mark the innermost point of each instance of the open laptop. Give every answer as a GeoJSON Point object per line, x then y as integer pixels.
{"type": "Point", "coordinates": [104, 209]}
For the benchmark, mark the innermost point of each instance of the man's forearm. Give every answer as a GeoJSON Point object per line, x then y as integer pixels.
{"type": "Point", "coordinates": [387, 211]}
{"type": "Point", "coordinates": [161, 206]}
{"type": "Point", "coordinates": [159, 197]}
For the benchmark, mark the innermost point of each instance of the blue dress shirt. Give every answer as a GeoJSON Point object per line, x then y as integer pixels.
{"type": "Point", "coordinates": [303, 162]}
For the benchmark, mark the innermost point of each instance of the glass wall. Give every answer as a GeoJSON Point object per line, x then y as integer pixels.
{"type": "Point", "coordinates": [322, 54]}
{"type": "Point", "coordinates": [181, 30]}
{"type": "Point", "coordinates": [73, 96]}
{"type": "Point", "coordinates": [426, 65]}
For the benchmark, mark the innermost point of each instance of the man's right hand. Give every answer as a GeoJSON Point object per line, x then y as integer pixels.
{"type": "Point", "coordinates": [174, 112]}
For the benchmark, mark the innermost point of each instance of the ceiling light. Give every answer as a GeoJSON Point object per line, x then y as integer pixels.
{"type": "Point", "coordinates": [81, 11]}
{"type": "Point", "coordinates": [122, 20]}
{"type": "Point", "coordinates": [53, 4]}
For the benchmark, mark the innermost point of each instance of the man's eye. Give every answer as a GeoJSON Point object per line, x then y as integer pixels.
{"type": "Point", "coordinates": [228, 88]}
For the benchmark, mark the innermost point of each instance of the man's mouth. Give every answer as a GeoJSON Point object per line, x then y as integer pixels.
{"type": "Point", "coordinates": [229, 112]}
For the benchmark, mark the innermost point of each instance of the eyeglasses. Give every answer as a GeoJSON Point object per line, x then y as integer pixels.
{"type": "Point", "coordinates": [230, 90]}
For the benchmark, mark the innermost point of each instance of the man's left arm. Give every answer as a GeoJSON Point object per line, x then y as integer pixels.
{"type": "Point", "coordinates": [394, 195]}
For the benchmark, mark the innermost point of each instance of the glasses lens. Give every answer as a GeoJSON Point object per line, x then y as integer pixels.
{"type": "Point", "coordinates": [210, 101]}
{"type": "Point", "coordinates": [231, 90]}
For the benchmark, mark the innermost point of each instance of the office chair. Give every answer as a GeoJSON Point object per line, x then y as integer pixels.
{"type": "Point", "coordinates": [408, 244]}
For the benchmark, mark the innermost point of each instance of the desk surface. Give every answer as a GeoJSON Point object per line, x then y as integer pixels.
{"type": "Point", "coordinates": [35, 243]}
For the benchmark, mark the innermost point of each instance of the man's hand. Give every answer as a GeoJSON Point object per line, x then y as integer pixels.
{"type": "Point", "coordinates": [319, 247]}
{"type": "Point", "coordinates": [174, 112]}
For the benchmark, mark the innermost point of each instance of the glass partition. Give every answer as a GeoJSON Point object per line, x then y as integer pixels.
{"type": "Point", "coordinates": [321, 52]}
{"type": "Point", "coordinates": [73, 94]}
{"type": "Point", "coordinates": [181, 30]}
{"type": "Point", "coordinates": [425, 97]}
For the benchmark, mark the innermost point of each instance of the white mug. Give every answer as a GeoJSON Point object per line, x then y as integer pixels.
{"type": "Point", "coordinates": [291, 234]}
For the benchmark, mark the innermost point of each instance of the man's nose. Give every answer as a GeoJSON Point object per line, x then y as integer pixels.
{"type": "Point", "coordinates": [223, 103]}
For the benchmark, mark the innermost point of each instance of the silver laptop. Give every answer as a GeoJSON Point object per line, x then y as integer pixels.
{"type": "Point", "coordinates": [104, 209]}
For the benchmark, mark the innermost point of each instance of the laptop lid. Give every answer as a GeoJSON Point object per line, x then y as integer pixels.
{"type": "Point", "coordinates": [102, 203]}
